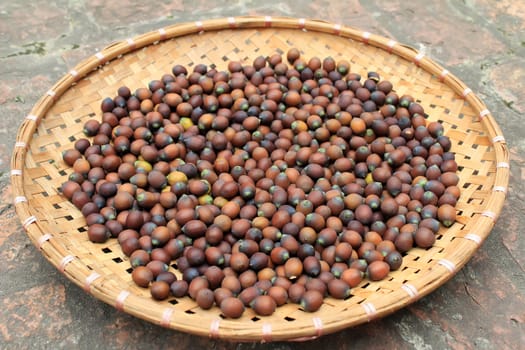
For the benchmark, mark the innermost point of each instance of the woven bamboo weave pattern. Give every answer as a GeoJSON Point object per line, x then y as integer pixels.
{"type": "Point", "coordinates": [57, 228]}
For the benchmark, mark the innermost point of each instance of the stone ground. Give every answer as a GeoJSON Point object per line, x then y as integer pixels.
{"type": "Point", "coordinates": [482, 42]}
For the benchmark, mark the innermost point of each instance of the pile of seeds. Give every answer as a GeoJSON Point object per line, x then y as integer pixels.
{"type": "Point", "coordinates": [265, 184]}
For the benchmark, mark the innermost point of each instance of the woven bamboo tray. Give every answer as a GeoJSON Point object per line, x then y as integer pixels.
{"type": "Point", "coordinates": [57, 228]}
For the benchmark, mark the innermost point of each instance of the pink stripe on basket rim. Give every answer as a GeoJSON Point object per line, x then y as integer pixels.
{"type": "Point", "coordinates": [490, 214]}
{"type": "Point", "coordinates": [101, 58]}
{"type": "Point", "coordinates": [337, 29]}
{"type": "Point", "coordinates": [131, 43]}
{"type": "Point", "coordinates": [498, 138]}
{"type": "Point", "coordinates": [43, 239]}
{"type": "Point", "coordinates": [366, 37]}
{"type": "Point", "coordinates": [465, 92]}
{"type": "Point", "coordinates": [51, 93]}
{"type": "Point", "coordinates": [483, 113]}
{"type": "Point", "coordinates": [214, 328]}
{"type": "Point", "coordinates": [474, 238]}
{"type": "Point", "coordinates": [232, 22]}
{"type": "Point", "coordinates": [502, 165]}
{"type": "Point", "coordinates": [301, 23]}
{"type": "Point", "coordinates": [119, 304]}
{"type": "Point", "coordinates": [410, 289]}
{"type": "Point", "coordinates": [268, 21]}
{"type": "Point", "coordinates": [89, 280]}
{"type": "Point", "coordinates": [267, 332]}
{"type": "Point", "coordinates": [20, 144]}
{"type": "Point", "coordinates": [418, 58]}
{"type": "Point", "coordinates": [20, 199]}
{"type": "Point", "coordinates": [166, 317]}
{"type": "Point", "coordinates": [391, 43]}
{"type": "Point", "coordinates": [370, 310]}
{"type": "Point", "coordinates": [28, 221]}
{"type": "Point", "coordinates": [16, 172]}
{"type": "Point", "coordinates": [449, 265]}
{"type": "Point", "coordinates": [199, 26]}
{"type": "Point", "coordinates": [73, 73]}
{"type": "Point", "coordinates": [443, 74]}
{"type": "Point", "coordinates": [32, 117]}
{"type": "Point", "coordinates": [63, 263]}
{"type": "Point", "coordinates": [318, 325]}
{"type": "Point", "coordinates": [162, 33]}
{"type": "Point", "coordinates": [499, 189]}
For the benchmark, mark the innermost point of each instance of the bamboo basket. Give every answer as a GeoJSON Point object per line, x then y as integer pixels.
{"type": "Point", "coordinates": [57, 228]}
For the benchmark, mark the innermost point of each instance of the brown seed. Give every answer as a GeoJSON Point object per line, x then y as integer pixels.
{"type": "Point", "coordinates": [293, 268]}
{"type": "Point", "coordinates": [339, 289]}
{"type": "Point", "coordinates": [263, 305]}
{"type": "Point", "coordinates": [69, 188]}
{"type": "Point", "coordinates": [279, 294]}
{"type": "Point", "coordinates": [197, 284]}
{"type": "Point", "coordinates": [352, 276]}
{"type": "Point", "coordinates": [239, 262]}
{"type": "Point", "coordinates": [194, 228]}
{"type": "Point", "coordinates": [142, 276]}
{"type": "Point", "coordinates": [98, 233]}
{"type": "Point", "coordinates": [232, 307]}
{"type": "Point", "coordinates": [232, 283]}
{"type": "Point", "coordinates": [179, 288]}
{"type": "Point", "coordinates": [446, 214]}
{"type": "Point", "coordinates": [424, 237]}
{"type": "Point", "coordinates": [377, 270]}
{"type": "Point", "coordinates": [220, 294]}
{"type": "Point", "coordinates": [404, 241]}
{"type": "Point", "coordinates": [157, 267]}
{"type": "Point", "coordinates": [363, 213]}
{"type": "Point", "coordinates": [205, 298]}
{"type": "Point", "coordinates": [160, 290]}
{"type": "Point", "coordinates": [311, 300]}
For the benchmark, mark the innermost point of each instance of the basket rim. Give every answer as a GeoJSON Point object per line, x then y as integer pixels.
{"type": "Point", "coordinates": [104, 290]}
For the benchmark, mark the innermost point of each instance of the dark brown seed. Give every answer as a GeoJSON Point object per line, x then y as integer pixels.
{"type": "Point", "coordinates": [232, 307]}
{"type": "Point", "coordinates": [239, 262]}
{"type": "Point", "coordinates": [292, 55]}
{"type": "Point", "coordinates": [205, 298]}
{"type": "Point", "coordinates": [179, 288]}
{"type": "Point", "coordinates": [394, 259]}
{"type": "Point", "coordinates": [232, 283]}
{"type": "Point", "coordinates": [446, 214]}
{"type": "Point", "coordinates": [352, 277]}
{"type": "Point", "coordinates": [389, 207]}
{"type": "Point", "coordinates": [194, 228]}
{"type": "Point", "coordinates": [263, 305]}
{"type": "Point", "coordinates": [157, 266]}
{"type": "Point", "coordinates": [363, 213]}
{"type": "Point", "coordinates": [293, 268]}
{"type": "Point", "coordinates": [296, 292]}
{"type": "Point", "coordinates": [220, 294]}
{"type": "Point", "coordinates": [98, 233]}
{"type": "Point", "coordinates": [248, 294]}
{"type": "Point", "coordinates": [404, 242]}
{"type": "Point", "coordinates": [312, 266]}
{"type": "Point", "coordinates": [338, 288]}
{"type": "Point", "coordinates": [311, 300]}
{"type": "Point", "coordinates": [142, 276]}
{"type": "Point", "coordinates": [377, 270]}
{"type": "Point", "coordinates": [69, 188]}
{"type": "Point", "coordinates": [160, 290]}
{"type": "Point", "coordinates": [197, 284]}
{"type": "Point", "coordinates": [424, 237]}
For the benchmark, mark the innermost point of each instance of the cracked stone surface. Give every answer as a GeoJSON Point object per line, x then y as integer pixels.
{"type": "Point", "coordinates": [480, 41]}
